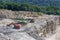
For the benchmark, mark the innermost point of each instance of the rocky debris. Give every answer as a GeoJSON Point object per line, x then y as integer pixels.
{"type": "Point", "coordinates": [3, 37]}
{"type": "Point", "coordinates": [8, 33]}
{"type": "Point", "coordinates": [17, 14]}
{"type": "Point", "coordinates": [6, 21]}
{"type": "Point", "coordinates": [42, 27]}
{"type": "Point", "coordinates": [20, 36]}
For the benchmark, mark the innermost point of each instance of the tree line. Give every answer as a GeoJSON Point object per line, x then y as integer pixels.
{"type": "Point", "coordinates": [55, 10]}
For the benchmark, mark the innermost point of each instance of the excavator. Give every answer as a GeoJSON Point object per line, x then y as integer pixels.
{"type": "Point", "coordinates": [19, 24]}
{"type": "Point", "coordinates": [14, 25]}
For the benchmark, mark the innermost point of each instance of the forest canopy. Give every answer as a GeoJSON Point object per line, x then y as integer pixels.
{"type": "Point", "coordinates": [55, 10]}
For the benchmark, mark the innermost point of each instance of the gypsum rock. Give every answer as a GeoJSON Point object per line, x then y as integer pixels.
{"type": "Point", "coordinates": [3, 37]}
{"type": "Point", "coordinates": [20, 36]}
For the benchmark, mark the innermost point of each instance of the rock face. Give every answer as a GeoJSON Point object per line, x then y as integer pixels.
{"type": "Point", "coordinates": [43, 26]}
{"type": "Point", "coordinates": [16, 14]}
{"type": "Point", "coordinates": [20, 36]}
{"type": "Point", "coordinates": [3, 37]}
{"type": "Point", "coordinates": [7, 33]}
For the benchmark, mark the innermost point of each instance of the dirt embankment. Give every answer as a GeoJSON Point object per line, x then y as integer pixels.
{"type": "Point", "coordinates": [17, 14]}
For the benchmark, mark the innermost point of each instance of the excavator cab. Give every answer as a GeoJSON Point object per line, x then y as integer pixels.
{"type": "Point", "coordinates": [15, 25]}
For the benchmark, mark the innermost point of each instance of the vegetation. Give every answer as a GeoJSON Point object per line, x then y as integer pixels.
{"type": "Point", "coordinates": [36, 2]}
{"type": "Point", "coordinates": [55, 10]}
